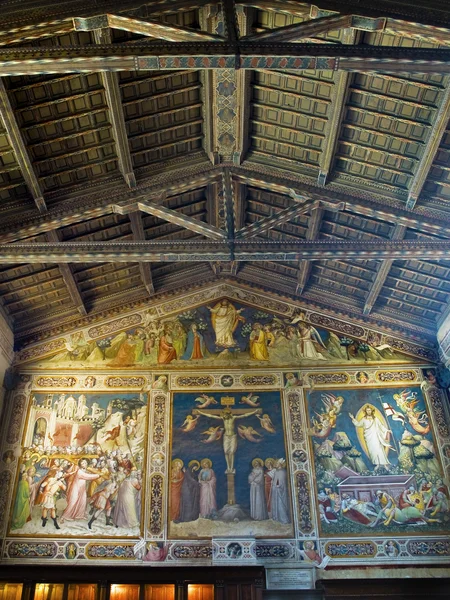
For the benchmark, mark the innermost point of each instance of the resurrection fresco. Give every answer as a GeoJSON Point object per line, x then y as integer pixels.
{"type": "Point", "coordinates": [229, 474]}
{"type": "Point", "coordinates": [223, 333]}
{"type": "Point", "coordinates": [376, 466]}
{"type": "Point", "coordinates": [81, 468]}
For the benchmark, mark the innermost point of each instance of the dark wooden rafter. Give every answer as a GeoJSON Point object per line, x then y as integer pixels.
{"type": "Point", "coordinates": [307, 29]}
{"type": "Point", "coordinates": [435, 134]}
{"type": "Point", "coordinates": [312, 233]}
{"type": "Point", "coordinates": [149, 28]}
{"type": "Point", "coordinates": [230, 20]}
{"type": "Point", "coordinates": [228, 198]}
{"type": "Point", "coordinates": [145, 269]}
{"type": "Point", "coordinates": [335, 115]}
{"type": "Point", "coordinates": [433, 13]}
{"type": "Point", "coordinates": [273, 178]}
{"type": "Point", "coordinates": [398, 233]}
{"type": "Point", "coordinates": [40, 30]}
{"type": "Point", "coordinates": [243, 93]}
{"type": "Point", "coordinates": [114, 100]}
{"type": "Point", "coordinates": [207, 94]}
{"type": "Point", "coordinates": [276, 219]}
{"type": "Point", "coordinates": [100, 204]}
{"type": "Point", "coordinates": [171, 216]}
{"type": "Point", "coordinates": [240, 200]}
{"type": "Point", "coordinates": [218, 55]}
{"type": "Point", "coordinates": [19, 149]}
{"type": "Point", "coordinates": [232, 267]}
{"type": "Point", "coordinates": [237, 250]}
{"type": "Point", "coordinates": [68, 277]}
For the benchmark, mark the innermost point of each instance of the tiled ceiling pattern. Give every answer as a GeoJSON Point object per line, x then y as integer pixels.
{"type": "Point", "coordinates": [376, 136]}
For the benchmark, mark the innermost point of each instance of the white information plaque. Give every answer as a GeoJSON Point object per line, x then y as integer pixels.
{"type": "Point", "coordinates": [290, 579]}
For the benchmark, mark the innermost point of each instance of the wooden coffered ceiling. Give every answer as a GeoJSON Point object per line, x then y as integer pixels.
{"type": "Point", "coordinates": [149, 147]}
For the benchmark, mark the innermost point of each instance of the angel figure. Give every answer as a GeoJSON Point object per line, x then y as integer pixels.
{"type": "Point", "coordinates": [214, 433]}
{"type": "Point", "coordinates": [205, 401]}
{"type": "Point", "coordinates": [189, 423]}
{"type": "Point", "coordinates": [251, 400]}
{"type": "Point", "coordinates": [248, 433]}
{"type": "Point", "coordinates": [266, 423]}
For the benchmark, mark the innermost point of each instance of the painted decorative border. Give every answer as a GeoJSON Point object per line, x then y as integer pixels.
{"type": "Point", "coordinates": [165, 308]}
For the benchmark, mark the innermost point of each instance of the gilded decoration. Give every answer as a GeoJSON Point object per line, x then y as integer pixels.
{"type": "Point", "coordinates": [82, 463]}
{"type": "Point", "coordinates": [229, 468]}
{"type": "Point", "coordinates": [224, 333]}
{"type": "Point", "coordinates": [257, 447]}
{"type": "Point", "coordinates": [377, 464]}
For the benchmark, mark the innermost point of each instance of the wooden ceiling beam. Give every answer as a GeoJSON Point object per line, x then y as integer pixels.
{"type": "Point", "coordinates": [243, 93]}
{"type": "Point", "coordinates": [171, 6]}
{"type": "Point", "coordinates": [275, 179]}
{"type": "Point", "coordinates": [19, 149]}
{"type": "Point", "coordinates": [298, 31]}
{"type": "Point", "coordinates": [312, 233]}
{"type": "Point", "coordinates": [172, 216]}
{"type": "Point", "coordinates": [149, 28]}
{"type": "Point", "coordinates": [435, 134]}
{"type": "Point", "coordinates": [114, 100]}
{"type": "Point", "coordinates": [68, 277]}
{"type": "Point", "coordinates": [242, 250]}
{"type": "Point", "coordinates": [278, 218]}
{"type": "Point", "coordinates": [145, 269]}
{"type": "Point", "coordinates": [228, 201]}
{"type": "Point", "coordinates": [38, 31]}
{"type": "Point", "coordinates": [398, 234]}
{"type": "Point", "coordinates": [335, 116]}
{"type": "Point", "coordinates": [222, 55]}
{"type": "Point", "coordinates": [58, 217]}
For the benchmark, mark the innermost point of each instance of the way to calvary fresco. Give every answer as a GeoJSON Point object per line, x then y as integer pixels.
{"type": "Point", "coordinates": [81, 469]}
{"type": "Point", "coordinates": [226, 333]}
{"type": "Point", "coordinates": [376, 465]}
{"type": "Point", "coordinates": [228, 466]}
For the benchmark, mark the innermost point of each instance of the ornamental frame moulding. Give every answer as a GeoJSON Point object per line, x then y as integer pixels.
{"type": "Point", "coordinates": [56, 340]}
{"type": "Point", "coordinates": [368, 550]}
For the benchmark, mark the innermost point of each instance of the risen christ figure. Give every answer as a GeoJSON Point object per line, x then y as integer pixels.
{"type": "Point", "coordinates": [230, 435]}
{"type": "Point", "coordinates": [376, 436]}
{"type": "Point", "coordinates": [225, 318]}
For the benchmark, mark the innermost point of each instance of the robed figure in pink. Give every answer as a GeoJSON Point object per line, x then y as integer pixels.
{"type": "Point", "coordinates": [76, 491]}
{"type": "Point", "coordinates": [207, 480]}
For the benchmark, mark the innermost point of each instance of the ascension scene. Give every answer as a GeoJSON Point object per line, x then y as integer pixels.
{"type": "Point", "coordinates": [376, 464]}
{"type": "Point", "coordinates": [228, 467]}
{"type": "Point", "coordinates": [81, 469]}
{"type": "Point", "coordinates": [224, 333]}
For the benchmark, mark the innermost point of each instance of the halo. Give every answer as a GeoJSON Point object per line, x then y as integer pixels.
{"type": "Point", "coordinates": [194, 464]}
{"type": "Point", "coordinates": [269, 461]}
{"type": "Point", "coordinates": [257, 462]}
{"type": "Point", "coordinates": [178, 461]}
{"type": "Point", "coordinates": [207, 462]}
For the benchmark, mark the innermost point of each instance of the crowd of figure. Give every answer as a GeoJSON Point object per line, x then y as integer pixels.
{"type": "Point", "coordinates": [104, 485]}
{"type": "Point", "coordinates": [201, 336]}
{"type": "Point", "coordinates": [411, 506]}
{"type": "Point", "coordinates": [193, 491]}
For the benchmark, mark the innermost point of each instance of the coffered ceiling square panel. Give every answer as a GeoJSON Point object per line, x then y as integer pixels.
{"type": "Point", "coordinates": [387, 123]}
{"type": "Point", "coordinates": [437, 184]}
{"type": "Point", "coordinates": [162, 115]}
{"type": "Point", "coordinates": [34, 292]}
{"type": "Point", "coordinates": [181, 149]}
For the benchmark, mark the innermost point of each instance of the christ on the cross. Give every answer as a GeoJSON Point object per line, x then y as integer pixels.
{"type": "Point", "coordinates": [230, 436]}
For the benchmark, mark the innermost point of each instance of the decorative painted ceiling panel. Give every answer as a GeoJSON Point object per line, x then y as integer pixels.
{"type": "Point", "coordinates": [141, 155]}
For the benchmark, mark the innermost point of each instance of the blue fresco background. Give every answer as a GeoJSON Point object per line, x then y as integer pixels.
{"type": "Point", "coordinates": [188, 446]}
